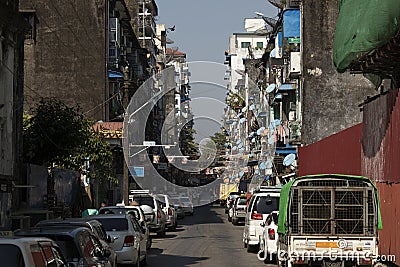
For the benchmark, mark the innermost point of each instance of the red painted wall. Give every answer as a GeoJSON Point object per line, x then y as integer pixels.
{"type": "Point", "coordinates": [338, 153]}
{"type": "Point", "coordinates": [381, 162]}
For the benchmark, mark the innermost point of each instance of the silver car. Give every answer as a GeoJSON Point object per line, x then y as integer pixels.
{"type": "Point", "coordinates": [187, 205]}
{"type": "Point", "coordinates": [135, 211]}
{"type": "Point", "coordinates": [169, 210]}
{"type": "Point", "coordinates": [129, 238]}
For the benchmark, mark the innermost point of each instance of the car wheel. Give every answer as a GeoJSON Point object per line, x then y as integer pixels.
{"type": "Point", "coordinates": [252, 248]}
{"type": "Point", "coordinates": [148, 243]}
{"type": "Point", "coordinates": [137, 263]}
{"type": "Point", "coordinates": [144, 261]}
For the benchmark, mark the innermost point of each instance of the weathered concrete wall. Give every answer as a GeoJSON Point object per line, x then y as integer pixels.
{"type": "Point", "coordinates": [67, 60]}
{"type": "Point", "coordinates": [330, 99]}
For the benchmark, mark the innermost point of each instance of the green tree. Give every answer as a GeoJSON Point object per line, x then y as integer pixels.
{"type": "Point", "coordinates": [189, 147]}
{"type": "Point", "coordinates": [58, 135]}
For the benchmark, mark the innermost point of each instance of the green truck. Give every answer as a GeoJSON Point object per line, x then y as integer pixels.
{"type": "Point", "coordinates": [328, 220]}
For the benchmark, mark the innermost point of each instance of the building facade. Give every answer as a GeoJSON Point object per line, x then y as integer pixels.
{"type": "Point", "coordinates": [13, 28]}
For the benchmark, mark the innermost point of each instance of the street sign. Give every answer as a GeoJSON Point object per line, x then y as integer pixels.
{"type": "Point", "coordinates": [149, 143]}
{"type": "Point", "coordinates": [137, 171]}
{"type": "Point", "coordinates": [294, 40]}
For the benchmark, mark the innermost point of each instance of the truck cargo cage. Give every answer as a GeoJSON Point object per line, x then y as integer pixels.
{"type": "Point", "coordinates": [333, 207]}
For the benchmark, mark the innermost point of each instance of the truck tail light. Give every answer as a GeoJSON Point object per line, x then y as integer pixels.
{"type": "Point", "coordinates": [158, 214]}
{"type": "Point", "coordinates": [170, 212]}
{"type": "Point", "coordinates": [271, 234]}
{"type": "Point", "coordinates": [129, 241]}
{"type": "Point", "coordinates": [256, 216]}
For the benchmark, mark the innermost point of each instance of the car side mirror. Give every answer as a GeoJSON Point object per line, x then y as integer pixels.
{"type": "Point", "coordinates": [262, 224]}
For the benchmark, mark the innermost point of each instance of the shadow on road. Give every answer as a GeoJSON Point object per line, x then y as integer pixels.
{"type": "Point", "coordinates": [156, 258]}
{"type": "Point", "coordinates": [203, 215]}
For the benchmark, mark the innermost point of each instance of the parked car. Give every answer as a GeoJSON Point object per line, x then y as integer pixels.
{"type": "Point", "coordinates": [239, 210]}
{"type": "Point", "coordinates": [130, 238]}
{"type": "Point", "coordinates": [135, 211]}
{"type": "Point", "coordinates": [95, 226]}
{"type": "Point", "coordinates": [261, 204]}
{"type": "Point", "coordinates": [152, 208]}
{"type": "Point", "coordinates": [169, 210]}
{"type": "Point", "coordinates": [187, 205]}
{"type": "Point", "coordinates": [269, 238]}
{"type": "Point", "coordinates": [229, 200]}
{"type": "Point", "coordinates": [30, 251]}
{"type": "Point", "coordinates": [79, 246]}
{"type": "Point", "coordinates": [180, 213]}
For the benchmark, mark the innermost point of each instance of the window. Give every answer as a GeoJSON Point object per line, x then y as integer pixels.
{"type": "Point", "coordinates": [114, 224]}
{"type": "Point", "coordinates": [266, 204]}
{"type": "Point", "coordinates": [11, 256]}
{"type": "Point", "coordinates": [260, 45]}
{"type": "Point", "coordinates": [245, 44]}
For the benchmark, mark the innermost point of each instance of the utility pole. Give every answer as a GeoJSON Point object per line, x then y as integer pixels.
{"type": "Point", "coordinates": [125, 184]}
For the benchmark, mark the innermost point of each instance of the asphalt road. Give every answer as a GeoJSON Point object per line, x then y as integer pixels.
{"type": "Point", "coordinates": [206, 239]}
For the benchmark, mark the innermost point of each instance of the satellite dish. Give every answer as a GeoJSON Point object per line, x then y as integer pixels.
{"type": "Point", "coordinates": [289, 159]}
{"type": "Point", "coordinates": [238, 141]}
{"type": "Point", "coordinates": [271, 140]}
{"type": "Point", "coordinates": [277, 122]}
{"type": "Point", "coordinates": [252, 107]}
{"type": "Point", "coordinates": [242, 120]}
{"type": "Point", "coordinates": [270, 88]}
{"type": "Point", "coordinates": [262, 166]}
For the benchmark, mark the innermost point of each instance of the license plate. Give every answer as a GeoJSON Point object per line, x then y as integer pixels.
{"type": "Point", "coordinates": [327, 245]}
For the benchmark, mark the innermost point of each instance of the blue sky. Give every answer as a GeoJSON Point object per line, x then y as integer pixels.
{"type": "Point", "coordinates": [202, 30]}
{"type": "Point", "coordinates": [203, 27]}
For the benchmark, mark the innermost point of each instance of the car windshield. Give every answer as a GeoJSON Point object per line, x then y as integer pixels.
{"type": "Point", "coordinates": [185, 199]}
{"type": "Point", "coordinates": [144, 200]}
{"type": "Point", "coordinates": [114, 224]}
{"type": "Point", "coordinates": [266, 204]}
{"type": "Point", "coordinates": [131, 211]}
{"type": "Point", "coordinates": [242, 201]}
{"type": "Point", "coordinates": [175, 201]}
{"type": "Point", "coordinates": [11, 256]}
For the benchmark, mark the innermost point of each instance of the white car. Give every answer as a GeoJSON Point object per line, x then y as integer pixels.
{"type": "Point", "coordinates": [261, 204]}
{"type": "Point", "coordinates": [269, 238]}
{"type": "Point", "coordinates": [135, 211]}
{"type": "Point", "coordinates": [130, 240]}
{"type": "Point", "coordinates": [155, 216]}
{"type": "Point", "coordinates": [187, 205]}
{"type": "Point", "coordinates": [30, 251]}
{"type": "Point", "coordinates": [169, 210]}
{"type": "Point", "coordinates": [238, 210]}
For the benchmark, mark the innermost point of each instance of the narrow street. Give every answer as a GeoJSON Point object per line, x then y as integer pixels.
{"type": "Point", "coordinates": [206, 239]}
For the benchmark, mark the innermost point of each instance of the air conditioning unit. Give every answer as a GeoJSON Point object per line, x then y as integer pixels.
{"type": "Point", "coordinates": [295, 64]}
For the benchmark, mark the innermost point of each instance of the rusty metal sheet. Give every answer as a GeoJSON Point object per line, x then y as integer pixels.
{"type": "Point", "coordinates": [381, 138]}
{"type": "Point", "coordinates": [389, 236]}
{"type": "Point", "coordinates": [338, 153]}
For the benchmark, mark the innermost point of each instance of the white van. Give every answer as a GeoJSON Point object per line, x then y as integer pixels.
{"type": "Point", "coordinates": [261, 204]}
